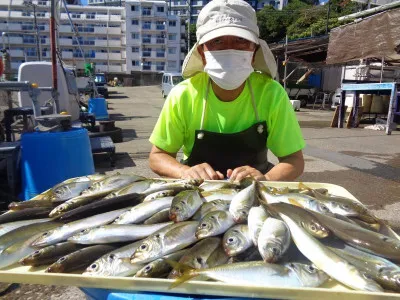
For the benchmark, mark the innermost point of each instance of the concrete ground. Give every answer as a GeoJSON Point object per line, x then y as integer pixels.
{"type": "Point", "coordinates": [365, 162]}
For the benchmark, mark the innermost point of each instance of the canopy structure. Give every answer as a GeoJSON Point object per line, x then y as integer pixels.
{"type": "Point", "coordinates": [376, 37]}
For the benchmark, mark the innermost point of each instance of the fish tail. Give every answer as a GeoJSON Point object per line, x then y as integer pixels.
{"type": "Point", "coordinates": [304, 187]}
{"type": "Point", "coordinates": [187, 272]}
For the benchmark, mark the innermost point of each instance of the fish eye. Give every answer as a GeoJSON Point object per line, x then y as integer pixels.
{"type": "Point", "coordinates": [148, 268]}
{"type": "Point", "coordinates": [112, 256]}
{"type": "Point", "coordinates": [231, 240]}
{"type": "Point", "coordinates": [275, 251]}
{"type": "Point", "coordinates": [93, 266]}
{"type": "Point", "coordinates": [212, 217]}
{"type": "Point", "coordinates": [291, 265]}
{"type": "Point", "coordinates": [176, 208]}
{"type": "Point", "coordinates": [62, 259]}
{"type": "Point", "coordinates": [385, 239]}
{"type": "Point", "coordinates": [157, 235]}
{"type": "Point", "coordinates": [311, 269]}
{"type": "Point", "coordinates": [37, 252]}
{"type": "Point", "coordinates": [203, 225]}
{"type": "Point", "coordinates": [199, 260]}
{"type": "Point", "coordinates": [243, 212]}
{"type": "Point", "coordinates": [324, 208]}
{"type": "Point", "coordinates": [46, 233]}
{"type": "Point", "coordinates": [235, 230]}
{"type": "Point", "coordinates": [143, 247]}
{"type": "Point", "coordinates": [313, 228]}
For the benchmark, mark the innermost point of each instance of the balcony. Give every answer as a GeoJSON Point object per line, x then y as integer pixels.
{"type": "Point", "coordinates": [67, 55]}
{"type": "Point", "coordinates": [114, 30]}
{"type": "Point", "coordinates": [116, 69]}
{"type": "Point", "coordinates": [102, 43]}
{"type": "Point", "coordinates": [66, 42]}
{"type": "Point", "coordinates": [17, 53]}
{"type": "Point", "coordinates": [100, 30]}
{"type": "Point", "coordinates": [100, 55]}
{"type": "Point", "coordinates": [115, 56]}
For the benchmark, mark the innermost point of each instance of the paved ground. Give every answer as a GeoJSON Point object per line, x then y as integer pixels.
{"type": "Point", "coordinates": [365, 162]}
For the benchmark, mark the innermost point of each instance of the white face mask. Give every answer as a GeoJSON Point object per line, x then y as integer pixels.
{"type": "Point", "coordinates": [228, 68]}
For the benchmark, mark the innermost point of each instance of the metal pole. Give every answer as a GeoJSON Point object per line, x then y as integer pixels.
{"type": "Point", "coordinates": [39, 54]}
{"type": "Point", "coordinates": [53, 54]}
{"type": "Point", "coordinates": [285, 72]}
{"type": "Point", "coordinates": [327, 17]}
{"type": "Point", "coordinates": [188, 30]}
{"type": "Point", "coordinates": [383, 61]}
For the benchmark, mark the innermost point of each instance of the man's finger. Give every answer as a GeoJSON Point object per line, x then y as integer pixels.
{"type": "Point", "coordinates": [220, 175]}
{"type": "Point", "coordinates": [210, 171]}
{"type": "Point", "coordinates": [235, 173]}
{"type": "Point", "coordinates": [202, 172]}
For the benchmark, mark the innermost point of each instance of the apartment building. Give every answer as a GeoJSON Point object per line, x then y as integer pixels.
{"type": "Point", "coordinates": [145, 39]}
{"type": "Point", "coordinates": [153, 38]}
{"type": "Point", "coordinates": [184, 8]}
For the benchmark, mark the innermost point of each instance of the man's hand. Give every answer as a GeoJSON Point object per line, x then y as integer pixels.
{"type": "Point", "coordinates": [242, 172]}
{"type": "Point", "coordinates": [201, 171]}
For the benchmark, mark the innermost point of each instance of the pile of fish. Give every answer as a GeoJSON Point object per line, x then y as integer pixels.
{"type": "Point", "coordinates": [245, 233]}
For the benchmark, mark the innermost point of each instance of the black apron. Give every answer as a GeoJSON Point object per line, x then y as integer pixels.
{"type": "Point", "coordinates": [225, 151]}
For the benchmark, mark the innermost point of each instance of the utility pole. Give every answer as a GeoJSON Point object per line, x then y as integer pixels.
{"type": "Point", "coordinates": [327, 17]}
{"type": "Point", "coordinates": [54, 54]}
{"type": "Point", "coordinates": [286, 61]}
{"type": "Point", "coordinates": [188, 28]}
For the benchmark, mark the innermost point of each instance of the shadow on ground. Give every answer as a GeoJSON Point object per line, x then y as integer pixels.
{"type": "Point", "coordinates": [117, 96]}
{"type": "Point", "coordinates": [315, 124]}
{"type": "Point", "coordinates": [121, 117]}
{"type": "Point", "coordinates": [129, 135]}
{"type": "Point", "coordinates": [122, 160]}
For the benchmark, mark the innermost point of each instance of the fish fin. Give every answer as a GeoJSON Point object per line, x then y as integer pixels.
{"type": "Point", "coordinates": [302, 186]}
{"type": "Point", "coordinates": [187, 272]}
{"type": "Point", "coordinates": [283, 191]}
{"type": "Point", "coordinates": [295, 202]}
{"type": "Point", "coordinates": [125, 259]}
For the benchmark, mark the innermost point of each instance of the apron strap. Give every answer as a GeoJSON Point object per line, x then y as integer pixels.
{"type": "Point", "coordinates": [206, 97]}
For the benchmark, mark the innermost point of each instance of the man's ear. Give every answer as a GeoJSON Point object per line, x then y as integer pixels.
{"type": "Point", "coordinates": [201, 52]}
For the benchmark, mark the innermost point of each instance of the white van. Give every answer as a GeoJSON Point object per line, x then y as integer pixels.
{"type": "Point", "coordinates": [169, 80]}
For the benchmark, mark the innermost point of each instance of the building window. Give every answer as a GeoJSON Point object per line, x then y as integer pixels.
{"type": "Point", "coordinates": [146, 25]}
{"type": "Point", "coordinates": [90, 15]}
{"type": "Point", "coordinates": [147, 65]}
{"type": "Point", "coordinates": [160, 8]}
{"type": "Point", "coordinates": [42, 2]}
{"type": "Point", "coordinates": [172, 23]}
{"type": "Point", "coordinates": [146, 11]}
{"type": "Point", "coordinates": [75, 16]}
{"type": "Point", "coordinates": [171, 50]}
{"type": "Point", "coordinates": [135, 63]}
{"type": "Point", "coordinates": [172, 37]}
{"type": "Point", "coordinates": [41, 14]}
{"type": "Point", "coordinates": [135, 22]}
{"type": "Point", "coordinates": [134, 8]}
{"type": "Point", "coordinates": [146, 52]}
{"type": "Point", "coordinates": [160, 65]}
{"type": "Point", "coordinates": [171, 64]}
{"type": "Point", "coordinates": [135, 49]}
{"type": "Point", "coordinates": [160, 52]}
{"type": "Point", "coordinates": [146, 39]}
{"type": "Point", "coordinates": [160, 25]}
{"type": "Point", "coordinates": [26, 13]}
{"type": "Point", "coordinates": [135, 36]}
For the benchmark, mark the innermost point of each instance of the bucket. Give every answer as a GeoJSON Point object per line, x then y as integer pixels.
{"type": "Point", "coordinates": [98, 107]}
{"type": "Point", "coordinates": [366, 101]}
{"type": "Point", "coordinates": [376, 105]}
{"type": "Point", "coordinates": [49, 158]}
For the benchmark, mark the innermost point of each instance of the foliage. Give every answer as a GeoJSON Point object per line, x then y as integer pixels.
{"type": "Point", "coordinates": [300, 18]}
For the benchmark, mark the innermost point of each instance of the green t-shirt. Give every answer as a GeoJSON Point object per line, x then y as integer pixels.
{"type": "Point", "coordinates": [181, 115]}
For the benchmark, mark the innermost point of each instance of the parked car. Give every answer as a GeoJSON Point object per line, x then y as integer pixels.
{"type": "Point", "coordinates": [101, 84]}
{"type": "Point", "coordinates": [301, 92]}
{"type": "Point", "coordinates": [169, 80]}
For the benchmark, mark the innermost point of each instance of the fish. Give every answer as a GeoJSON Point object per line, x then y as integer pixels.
{"type": "Point", "coordinates": [341, 205]}
{"type": "Point", "coordinates": [30, 204]}
{"type": "Point", "coordinates": [243, 202]}
{"type": "Point", "coordinates": [159, 268]}
{"type": "Point", "coordinates": [184, 205]}
{"type": "Point", "coordinates": [237, 240]}
{"type": "Point", "coordinates": [166, 241]}
{"type": "Point", "coordinates": [115, 233]}
{"type": "Point", "coordinates": [213, 205]}
{"type": "Point", "coordinates": [221, 194]}
{"type": "Point", "coordinates": [257, 216]}
{"type": "Point", "coordinates": [49, 254]}
{"type": "Point", "coordinates": [216, 185]}
{"type": "Point", "coordinates": [7, 227]}
{"type": "Point", "coordinates": [142, 211]}
{"type": "Point", "coordinates": [177, 186]}
{"type": "Point", "coordinates": [160, 194]}
{"type": "Point", "coordinates": [19, 249]}
{"type": "Point", "coordinates": [26, 214]}
{"type": "Point", "coordinates": [327, 261]}
{"type": "Point", "coordinates": [197, 256]}
{"type": "Point", "coordinates": [79, 259]}
{"type": "Point", "coordinates": [214, 223]}
{"type": "Point", "coordinates": [24, 232]}
{"type": "Point", "coordinates": [158, 217]}
{"type": "Point", "coordinates": [102, 206]}
{"type": "Point", "coordinates": [96, 191]}
{"type": "Point", "coordinates": [114, 263]}
{"type": "Point", "coordinates": [384, 272]}
{"type": "Point", "coordinates": [136, 187]}
{"type": "Point", "coordinates": [258, 273]}
{"type": "Point", "coordinates": [62, 233]}
{"type": "Point", "coordinates": [301, 200]}
{"type": "Point", "coordinates": [274, 240]}
{"type": "Point", "coordinates": [303, 218]}
{"type": "Point", "coordinates": [361, 238]}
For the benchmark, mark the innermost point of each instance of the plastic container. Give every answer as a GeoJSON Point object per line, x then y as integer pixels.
{"type": "Point", "coordinates": [366, 100]}
{"type": "Point", "coordinates": [49, 158]}
{"type": "Point", "coordinates": [98, 107]}
{"type": "Point", "coordinates": [376, 105]}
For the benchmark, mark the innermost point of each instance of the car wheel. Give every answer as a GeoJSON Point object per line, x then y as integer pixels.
{"type": "Point", "coordinates": [303, 102]}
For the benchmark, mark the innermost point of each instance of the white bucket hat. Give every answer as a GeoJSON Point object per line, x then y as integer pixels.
{"type": "Point", "coordinates": [228, 17]}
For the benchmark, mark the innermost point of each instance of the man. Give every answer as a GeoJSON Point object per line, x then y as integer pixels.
{"type": "Point", "coordinates": [225, 116]}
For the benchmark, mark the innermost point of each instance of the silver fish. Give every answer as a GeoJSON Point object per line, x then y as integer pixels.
{"type": "Point", "coordinates": [62, 233]}
{"type": "Point", "coordinates": [242, 202]}
{"type": "Point", "coordinates": [214, 223]}
{"type": "Point", "coordinates": [7, 227]}
{"type": "Point", "coordinates": [160, 194]}
{"type": "Point", "coordinates": [144, 210]}
{"type": "Point", "coordinates": [159, 268]}
{"type": "Point", "coordinates": [327, 261]}
{"type": "Point", "coordinates": [257, 216]}
{"type": "Point", "coordinates": [184, 205]}
{"type": "Point", "coordinates": [216, 185]}
{"type": "Point", "coordinates": [158, 217]}
{"type": "Point", "coordinates": [221, 194]}
{"type": "Point", "coordinates": [115, 233]}
{"type": "Point", "coordinates": [115, 263]}
{"type": "Point", "coordinates": [274, 240]}
{"type": "Point", "coordinates": [237, 240]}
{"type": "Point", "coordinates": [136, 187]}
{"type": "Point", "coordinates": [213, 205]}
{"type": "Point", "coordinates": [168, 240]}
